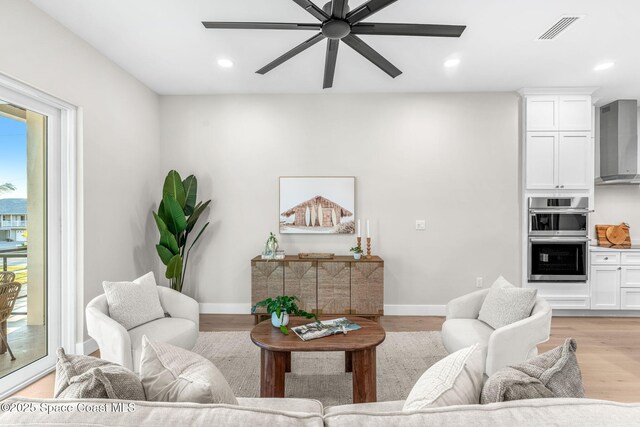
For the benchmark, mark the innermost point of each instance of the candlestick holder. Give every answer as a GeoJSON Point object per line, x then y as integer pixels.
{"type": "Point", "coordinates": [359, 242]}
{"type": "Point", "coordinates": [368, 247]}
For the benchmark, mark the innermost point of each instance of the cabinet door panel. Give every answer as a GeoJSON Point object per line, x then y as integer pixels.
{"type": "Point", "coordinates": [605, 288]}
{"type": "Point", "coordinates": [630, 298]}
{"type": "Point", "coordinates": [542, 113]}
{"type": "Point", "coordinates": [574, 160]}
{"type": "Point", "coordinates": [367, 288]}
{"type": "Point", "coordinates": [630, 277]}
{"type": "Point", "coordinates": [334, 287]}
{"type": "Point", "coordinates": [574, 113]}
{"type": "Point", "coordinates": [540, 173]}
{"type": "Point", "coordinates": [300, 280]}
{"type": "Point", "coordinates": [267, 281]}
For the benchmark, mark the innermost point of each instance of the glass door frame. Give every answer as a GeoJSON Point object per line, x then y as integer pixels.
{"type": "Point", "coordinates": [63, 268]}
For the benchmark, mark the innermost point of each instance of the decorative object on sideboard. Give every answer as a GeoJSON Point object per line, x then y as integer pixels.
{"type": "Point", "coordinates": [317, 205]}
{"type": "Point", "coordinates": [176, 218]}
{"type": "Point", "coordinates": [280, 308]}
{"type": "Point", "coordinates": [357, 251]}
{"type": "Point", "coordinates": [615, 236]}
{"type": "Point", "coordinates": [270, 247]}
{"type": "Point", "coordinates": [316, 255]}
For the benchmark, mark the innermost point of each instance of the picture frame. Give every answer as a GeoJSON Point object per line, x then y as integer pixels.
{"type": "Point", "coordinates": [317, 204]}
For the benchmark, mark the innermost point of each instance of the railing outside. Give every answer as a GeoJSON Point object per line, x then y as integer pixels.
{"type": "Point", "coordinates": [9, 224]}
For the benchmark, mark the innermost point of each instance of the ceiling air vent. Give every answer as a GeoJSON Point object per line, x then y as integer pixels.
{"type": "Point", "coordinates": [559, 27]}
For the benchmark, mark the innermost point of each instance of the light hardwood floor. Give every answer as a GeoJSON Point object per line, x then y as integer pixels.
{"type": "Point", "coordinates": [608, 349]}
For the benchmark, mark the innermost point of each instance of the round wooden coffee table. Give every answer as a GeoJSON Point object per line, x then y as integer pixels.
{"type": "Point", "coordinates": [359, 347]}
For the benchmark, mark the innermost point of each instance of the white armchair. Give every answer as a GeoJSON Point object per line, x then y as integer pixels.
{"type": "Point", "coordinates": [504, 346]}
{"type": "Point", "coordinates": [125, 347]}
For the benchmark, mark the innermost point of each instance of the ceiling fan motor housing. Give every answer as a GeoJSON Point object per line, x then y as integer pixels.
{"type": "Point", "coordinates": [336, 29]}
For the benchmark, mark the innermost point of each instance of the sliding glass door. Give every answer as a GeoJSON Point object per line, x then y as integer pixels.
{"type": "Point", "coordinates": [37, 233]}
{"type": "Point", "coordinates": [23, 237]}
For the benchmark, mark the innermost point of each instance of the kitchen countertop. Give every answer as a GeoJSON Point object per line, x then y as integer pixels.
{"type": "Point", "coordinates": [605, 248]}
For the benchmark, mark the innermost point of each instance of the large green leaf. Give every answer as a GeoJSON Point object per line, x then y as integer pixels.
{"type": "Point", "coordinates": [173, 186]}
{"type": "Point", "coordinates": [174, 215]}
{"type": "Point", "coordinates": [165, 254]}
{"type": "Point", "coordinates": [190, 185]}
{"type": "Point", "coordinates": [191, 222]}
{"type": "Point", "coordinates": [169, 241]}
{"type": "Point", "coordinates": [198, 236]}
{"type": "Point", "coordinates": [160, 222]}
{"type": "Point", "coordinates": [174, 267]}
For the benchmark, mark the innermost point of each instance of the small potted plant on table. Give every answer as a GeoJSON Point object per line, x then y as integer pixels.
{"type": "Point", "coordinates": [357, 252]}
{"type": "Point", "coordinates": [280, 308]}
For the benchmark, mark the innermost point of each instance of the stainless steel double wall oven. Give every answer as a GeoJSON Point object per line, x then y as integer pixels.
{"type": "Point", "coordinates": [558, 239]}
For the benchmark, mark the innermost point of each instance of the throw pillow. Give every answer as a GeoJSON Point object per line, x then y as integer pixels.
{"type": "Point", "coordinates": [173, 374]}
{"type": "Point", "coordinates": [454, 380]}
{"type": "Point", "coordinates": [133, 303]}
{"type": "Point", "coordinates": [505, 305]}
{"type": "Point", "coordinates": [86, 377]}
{"type": "Point", "coordinates": [552, 374]}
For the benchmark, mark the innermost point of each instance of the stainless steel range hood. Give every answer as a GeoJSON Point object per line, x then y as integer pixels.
{"type": "Point", "coordinates": [619, 161]}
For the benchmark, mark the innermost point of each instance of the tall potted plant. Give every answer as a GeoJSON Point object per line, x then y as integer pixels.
{"type": "Point", "coordinates": [176, 218]}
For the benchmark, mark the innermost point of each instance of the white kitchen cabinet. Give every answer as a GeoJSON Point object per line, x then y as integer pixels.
{"type": "Point", "coordinates": [542, 113]}
{"type": "Point", "coordinates": [574, 113]}
{"type": "Point", "coordinates": [630, 298]}
{"type": "Point", "coordinates": [615, 279]}
{"type": "Point", "coordinates": [558, 113]}
{"type": "Point", "coordinates": [541, 160]}
{"type": "Point", "coordinates": [630, 277]}
{"type": "Point", "coordinates": [558, 160]}
{"type": "Point", "coordinates": [574, 160]}
{"type": "Point", "coordinates": [605, 287]}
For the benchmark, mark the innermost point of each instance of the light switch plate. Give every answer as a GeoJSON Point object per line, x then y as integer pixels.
{"type": "Point", "coordinates": [421, 224]}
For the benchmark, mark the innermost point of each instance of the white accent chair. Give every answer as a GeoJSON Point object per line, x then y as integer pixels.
{"type": "Point", "coordinates": [504, 346]}
{"type": "Point", "coordinates": [125, 347]}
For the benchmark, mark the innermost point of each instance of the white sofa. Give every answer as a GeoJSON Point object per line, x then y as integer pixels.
{"type": "Point", "coordinates": [310, 413]}
{"type": "Point", "coordinates": [125, 347]}
{"type": "Point", "coordinates": [504, 346]}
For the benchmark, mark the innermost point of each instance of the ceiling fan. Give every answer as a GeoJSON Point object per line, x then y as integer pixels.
{"type": "Point", "coordinates": [338, 23]}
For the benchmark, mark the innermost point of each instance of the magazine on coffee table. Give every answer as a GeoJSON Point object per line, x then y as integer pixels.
{"type": "Point", "coordinates": [314, 330]}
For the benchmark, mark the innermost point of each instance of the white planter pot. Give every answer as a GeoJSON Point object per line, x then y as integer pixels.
{"type": "Point", "coordinates": [357, 256]}
{"type": "Point", "coordinates": [282, 321]}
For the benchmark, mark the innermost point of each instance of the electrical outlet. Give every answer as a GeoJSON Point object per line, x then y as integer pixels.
{"type": "Point", "coordinates": [421, 224]}
{"type": "Point", "coordinates": [478, 282]}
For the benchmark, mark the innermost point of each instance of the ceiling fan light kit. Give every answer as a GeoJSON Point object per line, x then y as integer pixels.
{"type": "Point", "coordinates": [339, 23]}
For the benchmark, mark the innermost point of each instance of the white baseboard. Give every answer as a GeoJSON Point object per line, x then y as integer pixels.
{"type": "Point", "coordinates": [222, 308]}
{"type": "Point", "coordinates": [595, 313]}
{"type": "Point", "coordinates": [389, 309]}
{"type": "Point", "coordinates": [87, 347]}
{"type": "Point", "coordinates": [414, 310]}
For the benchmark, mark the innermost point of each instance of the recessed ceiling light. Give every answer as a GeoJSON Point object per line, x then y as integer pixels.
{"type": "Point", "coordinates": [604, 66]}
{"type": "Point", "coordinates": [452, 63]}
{"type": "Point", "coordinates": [225, 63]}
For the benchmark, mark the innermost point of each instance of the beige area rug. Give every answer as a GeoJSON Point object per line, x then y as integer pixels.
{"type": "Point", "coordinates": [402, 359]}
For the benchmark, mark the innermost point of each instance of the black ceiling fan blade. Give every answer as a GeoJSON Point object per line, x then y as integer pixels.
{"type": "Point", "coordinates": [330, 62]}
{"type": "Point", "coordinates": [368, 52]}
{"type": "Point", "coordinates": [260, 26]}
{"type": "Point", "coordinates": [367, 9]}
{"type": "Point", "coordinates": [293, 52]}
{"type": "Point", "coordinates": [312, 9]}
{"type": "Point", "coordinates": [425, 30]}
{"type": "Point", "coordinates": [339, 9]}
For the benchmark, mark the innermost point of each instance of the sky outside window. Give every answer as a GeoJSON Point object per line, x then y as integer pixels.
{"type": "Point", "coordinates": [13, 156]}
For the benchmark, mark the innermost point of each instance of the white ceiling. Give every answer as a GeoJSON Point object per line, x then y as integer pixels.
{"type": "Point", "coordinates": [163, 44]}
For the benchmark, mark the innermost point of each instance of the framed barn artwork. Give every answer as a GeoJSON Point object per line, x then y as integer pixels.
{"type": "Point", "coordinates": [317, 204]}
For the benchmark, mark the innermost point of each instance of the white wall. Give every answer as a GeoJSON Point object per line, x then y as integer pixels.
{"type": "Point", "coordinates": [119, 158]}
{"type": "Point", "coordinates": [451, 159]}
